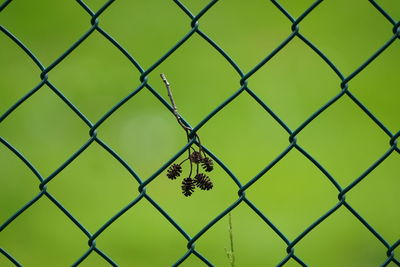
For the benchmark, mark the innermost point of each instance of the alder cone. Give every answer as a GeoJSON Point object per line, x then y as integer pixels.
{"type": "Point", "coordinates": [174, 171]}
{"type": "Point", "coordinates": [187, 186]}
{"type": "Point", "coordinates": [203, 182]}
{"type": "Point", "coordinates": [207, 164]}
{"type": "Point", "coordinates": [196, 157]}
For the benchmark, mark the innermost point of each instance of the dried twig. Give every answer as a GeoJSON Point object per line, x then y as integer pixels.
{"type": "Point", "coordinates": [199, 157]}
{"type": "Point", "coordinates": [174, 108]}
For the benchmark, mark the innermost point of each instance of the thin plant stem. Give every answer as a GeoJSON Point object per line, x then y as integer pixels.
{"type": "Point", "coordinates": [183, 161]}
{"type": "Point", "coordinates": [230, 253]}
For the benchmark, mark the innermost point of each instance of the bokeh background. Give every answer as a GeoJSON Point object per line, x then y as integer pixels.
{"type": "Point", "coordinates": [294, 84]}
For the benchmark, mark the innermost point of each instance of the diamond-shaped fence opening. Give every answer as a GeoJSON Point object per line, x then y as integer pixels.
{"type": "Point", "coordinates": [328, 196]}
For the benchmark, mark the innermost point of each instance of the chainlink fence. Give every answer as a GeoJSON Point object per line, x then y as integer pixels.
{"type": "Point", "coordinates": [145, 84]}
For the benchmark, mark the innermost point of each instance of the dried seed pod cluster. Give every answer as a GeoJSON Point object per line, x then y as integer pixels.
{"type": "Point", "coordinates": [196, 158]}
{"type": "Point", "coordinates": [200, 180]}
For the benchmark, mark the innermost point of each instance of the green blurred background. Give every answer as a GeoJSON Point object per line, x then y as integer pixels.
{"type": "Point", "coordinates": [294, 84]}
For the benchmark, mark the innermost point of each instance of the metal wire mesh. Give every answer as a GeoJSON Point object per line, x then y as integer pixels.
{"type": "Point", "coordinates": [195, 19]}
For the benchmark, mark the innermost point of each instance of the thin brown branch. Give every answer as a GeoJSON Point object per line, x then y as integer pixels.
{"type": "Point", "coordinates": [174, 108]}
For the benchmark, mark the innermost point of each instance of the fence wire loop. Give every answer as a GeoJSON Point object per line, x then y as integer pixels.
{"type": "Point", "coordinates": [243, 88]}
